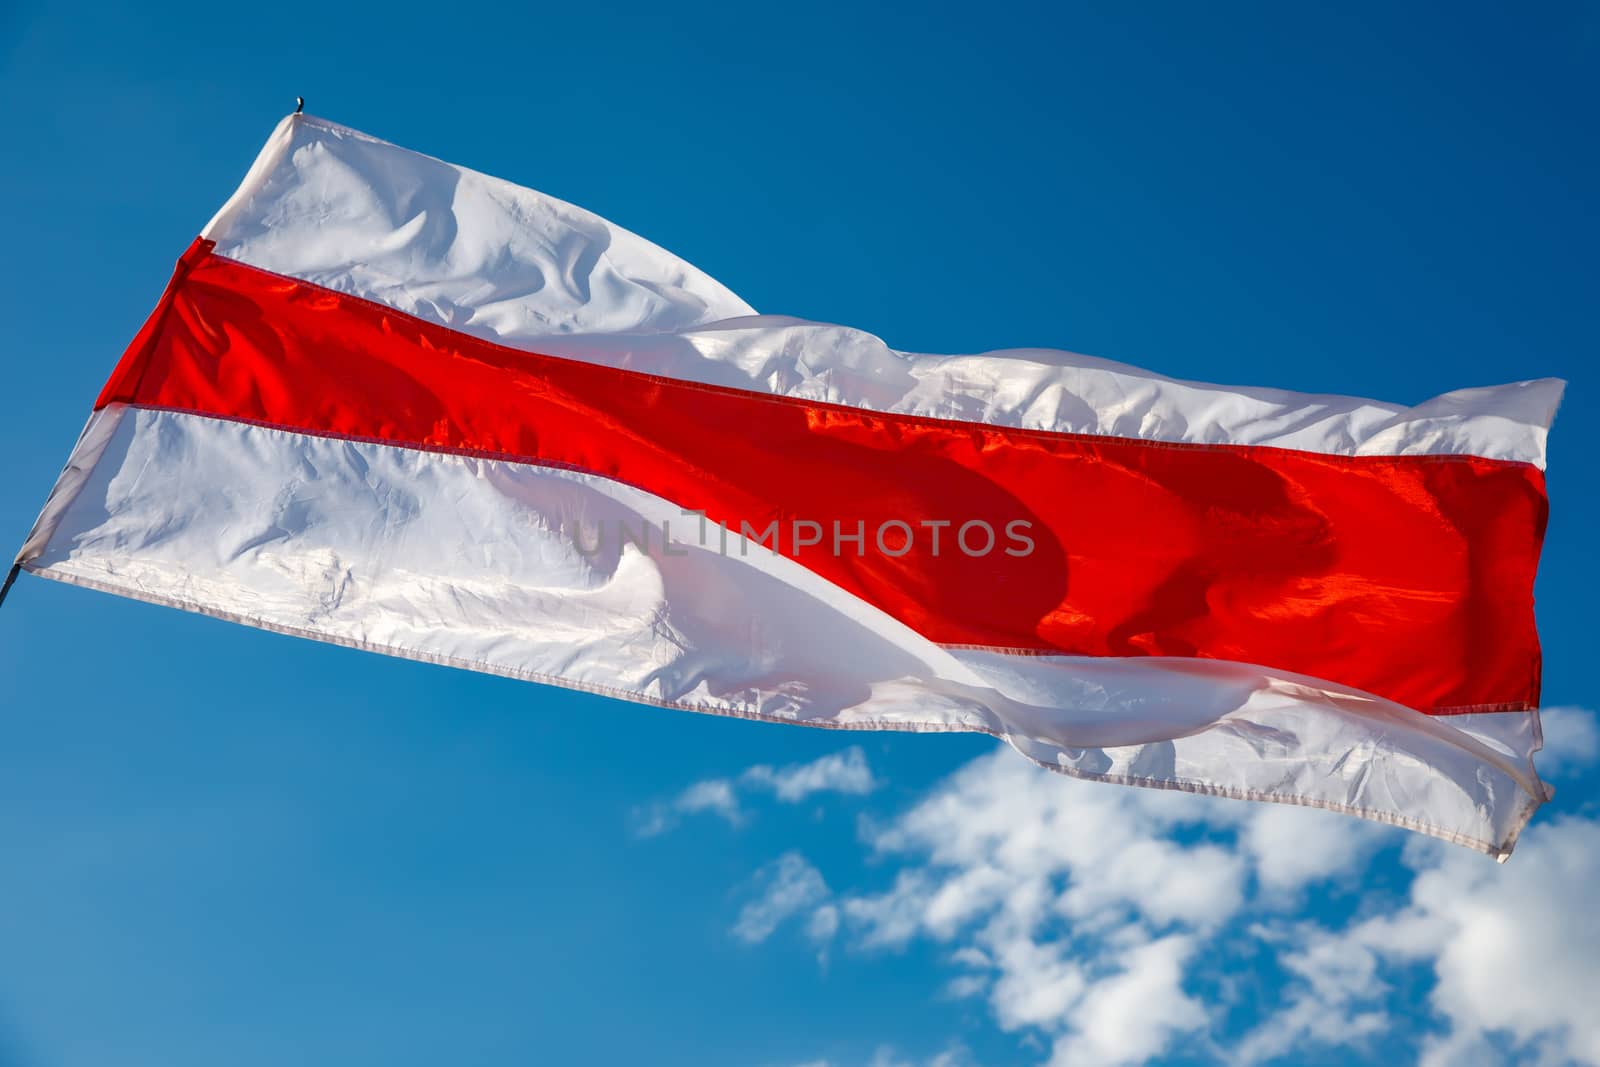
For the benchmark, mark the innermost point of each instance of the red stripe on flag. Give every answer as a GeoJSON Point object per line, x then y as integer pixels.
{"type": "Point", "coordinates": [1407, 576]}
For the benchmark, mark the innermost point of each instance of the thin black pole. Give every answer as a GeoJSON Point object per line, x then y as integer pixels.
{"type": "Point", "coordinates": [16, 569]}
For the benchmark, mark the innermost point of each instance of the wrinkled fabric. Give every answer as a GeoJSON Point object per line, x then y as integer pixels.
{"type": "Point", "coordinates": [347, 542]}
{"type": "Point", "coordinates": [343, 210]}
{"type": "Point", "coordinates": [1410, 577]}
{"type": "Point", "coordinates": [426, 550]}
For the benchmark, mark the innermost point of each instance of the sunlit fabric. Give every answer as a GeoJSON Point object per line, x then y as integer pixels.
{"type": "Point", "coordinates": [393, 404]}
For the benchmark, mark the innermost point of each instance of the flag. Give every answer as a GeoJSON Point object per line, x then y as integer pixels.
{"type": "Point", "coordinates": [394, 404]}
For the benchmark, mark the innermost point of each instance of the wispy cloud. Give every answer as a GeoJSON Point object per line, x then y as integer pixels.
{"type": "Point", "coordinates": [784, 888]}
{"type": "Point", "coordinates": [845, 772]}
{"type": "Point", "coordinates": [715, 795]}
{"type": "Point", "coordinates": [838, 772]}
{"type": "Point", "coordinates": [1333, 992]}
{"type": "Point", "coordinates": [886, 1056]}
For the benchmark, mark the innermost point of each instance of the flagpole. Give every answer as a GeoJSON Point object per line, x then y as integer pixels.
{"type": "Point", "coordinates": [11, 577]}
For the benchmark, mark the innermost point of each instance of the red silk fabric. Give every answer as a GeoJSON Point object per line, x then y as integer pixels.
{"type": "Point", "coordinates": [1407, 576]}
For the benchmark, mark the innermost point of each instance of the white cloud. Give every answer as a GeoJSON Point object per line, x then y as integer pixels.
{"type": "Point", "coordinates": [1163, 881]}
{"type": "Point", "coordinates": [845, 772]}
{"type": "Point", "coordinates": [1516, 948]}
{"type": "Point", "coordinates": [838, 772]}
{"type": "Point", "coordinates": [893, 918]}
{"type": "Point", "coordinates": [1293, 847]}
{"type": "Point", "coordinates": [1334, 983]}
{"type": "Point", "coordinates": [886, 1056]}
{"type": "Point", "coordinates": [1571, 740]}
{"type": "Point", "coordinates": [714, 795]}
{"type": "Point", "coordinates": [785, 888]}
{"type": "Point", "coordinates": [966, 985]}
{"type": "Point", "coordinates": [950, 1057]}
{"type": "Point", "coordinates": [1113, 925]}
{"type": "Point", "coordinates": [824, 924]}
{"type": "Point", "coordinates": [1134, 1014]}
{"type": "Point", "coordinates": [1023, 867]}
{"type": "Point", "coordinates": [1038, 983]}
{"type": "Point", "coordinates": [1002, 833]}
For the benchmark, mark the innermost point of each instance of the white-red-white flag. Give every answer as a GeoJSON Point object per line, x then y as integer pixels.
{"type": "Point", "coordinates": [394, 404]}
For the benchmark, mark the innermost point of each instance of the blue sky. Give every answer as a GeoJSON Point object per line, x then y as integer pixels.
{"type": "Point", "coordinates": [219, 845]}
